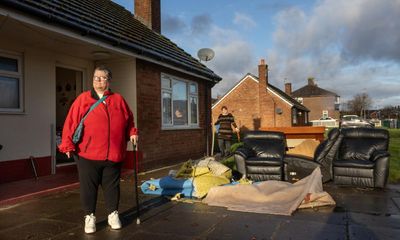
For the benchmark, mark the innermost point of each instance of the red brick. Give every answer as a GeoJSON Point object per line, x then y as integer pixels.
{"type": "Point", "coordinates": [165, 147]}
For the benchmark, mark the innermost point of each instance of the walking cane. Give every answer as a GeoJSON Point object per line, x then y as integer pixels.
{"type": "Point", "coordinates": [136, 183]}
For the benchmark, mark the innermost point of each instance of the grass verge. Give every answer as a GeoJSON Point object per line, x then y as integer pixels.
{"type": "Point", "coordinates": [394, 149]}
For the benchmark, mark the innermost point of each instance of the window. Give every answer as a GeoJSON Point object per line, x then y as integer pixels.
{"type": "Point", "coordinates": [325, 114]}
{"type": "Point", "coordinates": [10, 83]}
{"type": "Point", "coordinates": [179, 102]}
{"type": "Point", "coordinates": [294, 116]}
{"type": "Point", "coordinates": [337, 103]}
{"type": "Point", "coordinates": [306, 117]}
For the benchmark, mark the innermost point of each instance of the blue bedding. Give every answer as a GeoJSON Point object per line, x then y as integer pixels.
{"type": "Point", "coordinates": [169, 186]}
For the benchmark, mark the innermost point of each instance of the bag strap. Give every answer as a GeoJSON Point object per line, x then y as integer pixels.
{"type": "Point", "coordinates": [94, 106]}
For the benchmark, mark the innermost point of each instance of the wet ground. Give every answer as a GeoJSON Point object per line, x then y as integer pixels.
{"type": "Point", "coordinates": [359, 214]}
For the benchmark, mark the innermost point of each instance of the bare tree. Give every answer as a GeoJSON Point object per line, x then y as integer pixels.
{"type": "Point", "coordinates": [359, 104]}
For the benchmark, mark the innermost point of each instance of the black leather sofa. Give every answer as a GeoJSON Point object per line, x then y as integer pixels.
{"type": "Point", "coordinates": [261, 157]}
{"type": "Point", "coordinates": [362, 157]}
{"type": "Point", "coordinates": [349, 156]}
{"type": "Point", "coordinates": [323, 157]}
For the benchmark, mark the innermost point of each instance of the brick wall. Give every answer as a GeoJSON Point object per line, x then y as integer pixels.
{"type": "Point", "coordinates": [242, 102]}
{"type": "Point", "coordinates": [318, 104]}
{"type": "Point", "coordinates": [166, 147]}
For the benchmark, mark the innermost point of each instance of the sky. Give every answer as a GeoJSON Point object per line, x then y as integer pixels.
{"type": "Point", "coordinates": [349, 47]}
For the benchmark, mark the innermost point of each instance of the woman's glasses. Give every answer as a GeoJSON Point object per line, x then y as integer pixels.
{"type": "Point", "coordinates": [100, 79]}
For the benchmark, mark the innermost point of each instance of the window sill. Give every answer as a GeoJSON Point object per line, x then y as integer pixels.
{"type": "Point", "coordinates": [181, 128]}
{"type": "Point", "coordinates": [12, 113]}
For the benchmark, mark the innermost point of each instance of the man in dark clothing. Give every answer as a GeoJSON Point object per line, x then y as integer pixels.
{"type": "Point", "coordinates": [226, 121]}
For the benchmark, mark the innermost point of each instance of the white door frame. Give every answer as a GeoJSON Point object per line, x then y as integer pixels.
{"type": "Point", "coordinates": [53, 126]}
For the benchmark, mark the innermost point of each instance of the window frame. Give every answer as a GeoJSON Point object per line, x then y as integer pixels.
{"type": "Point", "coordinates": [189, 95]}
{"type": "Point", "coordinates": [20, 76]}
{"type": "Point", "coordinates": [325, 113]}
{"type": "Point", "coordinates": [295, 120]}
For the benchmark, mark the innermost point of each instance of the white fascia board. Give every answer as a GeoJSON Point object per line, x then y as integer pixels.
{"type": "Point", "coordinates": [236, 86]}
{"type": "Point", "coordinates": [37, 23]}
{"type": "Point", "coordinates": [279, 96]}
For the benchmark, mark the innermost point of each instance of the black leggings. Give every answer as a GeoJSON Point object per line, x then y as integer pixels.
{"type": "Point", "coordinates": [95, 173]}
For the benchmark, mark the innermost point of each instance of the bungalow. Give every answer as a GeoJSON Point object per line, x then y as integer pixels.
{"type": "Point", "coordinates": [257, 104]}
{"type": "Point", "coordinates": [48, 51]}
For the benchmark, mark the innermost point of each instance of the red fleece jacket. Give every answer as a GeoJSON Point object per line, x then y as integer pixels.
{"type": "Point", "coordinates": [106, 129]}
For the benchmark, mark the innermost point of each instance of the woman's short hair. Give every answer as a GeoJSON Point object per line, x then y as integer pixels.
{"type": "Point", "coordinates": [224, 107]}
{"type": "Point", "coordinates": [104, 69]}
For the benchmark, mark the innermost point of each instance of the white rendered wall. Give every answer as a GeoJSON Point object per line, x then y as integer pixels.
{"type": "Point", "coordinates": [29, 133]}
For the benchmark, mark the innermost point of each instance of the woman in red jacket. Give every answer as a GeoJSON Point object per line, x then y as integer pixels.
{"type": "Point", "coordinates": [101, 149]}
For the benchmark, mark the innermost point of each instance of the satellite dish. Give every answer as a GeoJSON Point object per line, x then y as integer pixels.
{"type": "Point", "coordinates": [205, 54]}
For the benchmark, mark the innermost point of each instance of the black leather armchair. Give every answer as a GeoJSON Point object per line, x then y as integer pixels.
{"type": "Point", "coordinates": [362, 158]}
{"type": "Point", "coordinates": [261, 157]}
{"type": "Point", "coordinates": [323, 157]}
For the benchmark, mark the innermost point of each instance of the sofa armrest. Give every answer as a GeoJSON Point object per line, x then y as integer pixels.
{"type": "Point", "coordinates": [244, 152]}
{"type": "Point", "coordinates": [240, 156]}
{"type": "Point", "coordinates": [379, 154]}
{"type": "Point", "coordinates": [381, 171]}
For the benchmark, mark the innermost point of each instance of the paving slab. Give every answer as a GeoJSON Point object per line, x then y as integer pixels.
{"type": "Point", "coordinates": [38, 229]}
{"type": "Point", "coordinates": [183, 223]}
{"type": "Point", "coordinates": [156, 236]}
{"type": "Point", "coordinates": [238, 225]}
{"type": "Point", "coordinates": [368, 220]}
{"type": "Point", "coordinates": [297, 229]}
{"type": "Point", "coordinates": [357, 232]}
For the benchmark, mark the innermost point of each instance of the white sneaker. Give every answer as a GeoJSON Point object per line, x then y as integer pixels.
{"type": "Point", "coordinates": [90, 223]}
{"type": "Point", "coordinates": [113, 220]}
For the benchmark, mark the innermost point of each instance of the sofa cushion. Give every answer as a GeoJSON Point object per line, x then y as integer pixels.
{"type": "Point", "coordinates": [360, 143]}
{"type": "Point", "coordinates": [354, 163]}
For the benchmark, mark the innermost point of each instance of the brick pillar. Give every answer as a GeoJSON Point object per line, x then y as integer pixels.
{"type": "Point", "coordinates": [149, 13]}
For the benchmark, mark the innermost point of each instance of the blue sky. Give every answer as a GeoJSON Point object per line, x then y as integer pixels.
{"type": "Point", "coordinates": [350, 47]}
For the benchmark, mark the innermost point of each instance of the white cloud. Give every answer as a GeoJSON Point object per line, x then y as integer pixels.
{"type": "Point", "coordinates": [244, 21]}
{"type": "Point", "coordinates": [348, 46]}
{"type": "Point", "coordinates": [232, 61]}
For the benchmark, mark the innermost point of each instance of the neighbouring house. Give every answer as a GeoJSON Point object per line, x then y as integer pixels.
{"type": "Point", "coordinates": [48, 51]}
{"type": "Point", "coordinates": [256, 104]}
{"type": "Point", "coordinates": [322, 103]}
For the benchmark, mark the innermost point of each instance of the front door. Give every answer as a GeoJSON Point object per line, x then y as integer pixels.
{"type": "Point", "coordinates": [68, 87]}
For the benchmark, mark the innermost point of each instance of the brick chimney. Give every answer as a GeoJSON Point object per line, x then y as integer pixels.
{"type": "Point", "coordinates": [311, 81]}
{"type": "Point", "coordinates": [149, 13]}
{"type": "Point", "coordinates": [288, 89]}
{"type": "Point", "coordinates": [262, 76]}
{"type": "Point", "coordinates": [266, 104]}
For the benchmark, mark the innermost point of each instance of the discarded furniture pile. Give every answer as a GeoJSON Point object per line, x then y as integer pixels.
{"type": "Point", "coordinates": [276, 182]}
{"type": "Point", "coordinates": [349, 156]}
